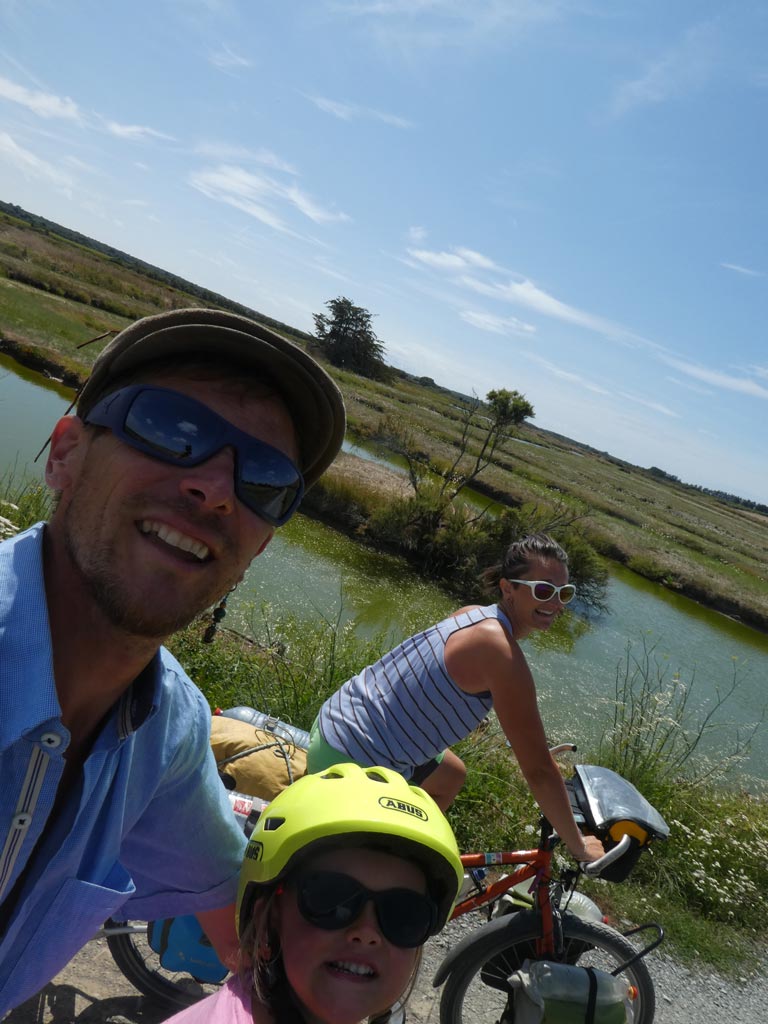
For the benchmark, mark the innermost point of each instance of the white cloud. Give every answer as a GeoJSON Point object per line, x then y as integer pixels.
{"type": "Point", "coordinates": [416, 234]}
{"type": "Point", "coordinates": [436, 23]}
{"type": "Point", "coordinates": [31, 166]}
{"type": "Point", "coordinates": [476, 259]}
{"type": "Point", "coordinates": [567, 375]}
{"type": "Point", "coordinates": [438, 260]}
{"type": "Point", "coordinates": [255, 194]}
{"type": "Point", "coordinates": [525, 293]}
{"type": "Point", "coordinates": [519, 292]}
{"type": "Point", "coordinates": [459, 258]}
{"type": "Point", "coordinates": [352, 111]}
{"type": "Point", "coordinates": [682, 69]}
{"type": "Point", "coordinates": [689, 386]}
{"type": "Point", "coordinates": [649, 403]}
{"type": "Point", "coordinates": [716, 378]}
{"type": "Point", "coordinates": [743, 270]}
{"type": "Point", "coordinates": [223, 151]}
{"type": "Point", "coordinates": [226, 59]}
{"type": "Point", "coordinates": [44, 104]}
{"type": "Point", "coordinates": [485, 321]}
{"type": "Point", "coordinates": [135, 132]}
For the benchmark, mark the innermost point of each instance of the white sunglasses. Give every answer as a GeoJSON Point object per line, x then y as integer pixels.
{"type": "Point", "coordinates": [544, 591]}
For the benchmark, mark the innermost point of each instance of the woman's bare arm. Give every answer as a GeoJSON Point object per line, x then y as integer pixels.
{"type": "Point", "coordinates": [484, 658]}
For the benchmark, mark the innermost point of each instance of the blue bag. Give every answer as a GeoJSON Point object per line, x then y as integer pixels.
{"type": "Point", "coordinates": [182, 945]}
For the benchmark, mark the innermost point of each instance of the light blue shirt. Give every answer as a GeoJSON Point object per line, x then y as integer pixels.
{"type": "Point", "coordinates": [148, 831]}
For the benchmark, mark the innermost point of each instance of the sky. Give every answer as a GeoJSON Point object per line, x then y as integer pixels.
{"type": "Point", "coordinates": [564, 197]}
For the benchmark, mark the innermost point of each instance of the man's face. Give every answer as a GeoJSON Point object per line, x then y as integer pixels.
{"type": "Point", "coordinates": [154, 544]}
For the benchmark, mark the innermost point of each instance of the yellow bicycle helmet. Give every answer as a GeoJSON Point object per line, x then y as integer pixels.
{"type": "Point", "coordinates": [347, 805]}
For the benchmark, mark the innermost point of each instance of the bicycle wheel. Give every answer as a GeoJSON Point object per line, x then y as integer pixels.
{"type": "Point", "coordinates": [477, 989]}
{"type": "Point", "coordinates": [141, 966]}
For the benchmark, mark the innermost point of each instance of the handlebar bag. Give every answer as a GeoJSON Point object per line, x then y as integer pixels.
{"type": "Point", "coordinates": [182, 945]}
{"type": "Point", "coordinates": [552, 993]}
{"type": "Point", "coordinates": [611, 807]}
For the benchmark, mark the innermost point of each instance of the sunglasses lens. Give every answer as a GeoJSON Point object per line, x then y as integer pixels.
{"type": "Point", "coordinates": [173, 427]}
{"type": "Point", "coordinates": [544, 591]}
{"type": "Point", "coordinates": [269, 484]}
{"type": "Point", "coordinates": [405, 917]}
{"type": "Point", "coordinates": [567, 593]}
{"type": "Point", "coordinates": [331, 901]}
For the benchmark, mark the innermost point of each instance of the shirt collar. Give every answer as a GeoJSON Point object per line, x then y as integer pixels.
{"type": "Point", "coordinates": [28, 696]}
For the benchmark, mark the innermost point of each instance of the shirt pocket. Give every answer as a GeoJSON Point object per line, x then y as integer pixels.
{"type": "Point", "coordinates": [63, 926]}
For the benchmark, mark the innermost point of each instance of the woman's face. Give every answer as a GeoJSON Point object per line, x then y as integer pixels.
{"type": "Point", "coordinates": [526, 613]}
{"type": "Point", "coordinates": [347, 975]}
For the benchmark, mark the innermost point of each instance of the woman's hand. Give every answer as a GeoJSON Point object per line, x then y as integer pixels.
{"type": "Point", "coordinates": [592, 849]}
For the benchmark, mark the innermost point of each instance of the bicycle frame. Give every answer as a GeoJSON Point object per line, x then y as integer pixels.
{"type": "Point", "coordinates": [535, 864]}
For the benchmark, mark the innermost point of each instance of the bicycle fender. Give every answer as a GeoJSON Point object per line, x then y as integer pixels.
{"type": "Point", "coordinates": [485, 934]}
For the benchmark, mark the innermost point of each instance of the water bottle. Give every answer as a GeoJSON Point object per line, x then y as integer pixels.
{"type": "Point", "coordinates": [268, 723]}
{"type": "Point", "coordinates": [246, 809]}
{"type": "Point", "coordinates": [472, 883]}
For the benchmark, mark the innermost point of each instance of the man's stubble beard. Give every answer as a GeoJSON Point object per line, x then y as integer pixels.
{"type": "Point", "coordinates": [123, 610]}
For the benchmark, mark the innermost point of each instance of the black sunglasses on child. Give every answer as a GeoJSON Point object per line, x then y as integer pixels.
{"type": "Point", "coordinates": [181, 431]}
{"type": "Point", "coordinates": [331, 900]}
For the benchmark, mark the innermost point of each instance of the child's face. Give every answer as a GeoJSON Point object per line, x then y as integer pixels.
{"type": "Point", "coordinates": [345, 976]}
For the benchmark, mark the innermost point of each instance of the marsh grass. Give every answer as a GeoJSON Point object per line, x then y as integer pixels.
{"type": "Point", "coordinates": [659, 737]}
{"type": "Point", "coordinates": [23, 502]}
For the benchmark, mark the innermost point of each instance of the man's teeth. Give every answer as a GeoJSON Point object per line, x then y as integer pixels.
{"type": "Point", "coordinates": [176, 539]}
{"type": "Point", "coordinates": [342, 965]}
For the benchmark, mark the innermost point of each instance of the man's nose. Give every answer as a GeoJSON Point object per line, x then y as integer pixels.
{"type": "Point", "coordinates": [212, 483]}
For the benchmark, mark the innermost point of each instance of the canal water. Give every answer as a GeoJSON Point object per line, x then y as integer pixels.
{"type": "Point", "coordinates": [315, 572]}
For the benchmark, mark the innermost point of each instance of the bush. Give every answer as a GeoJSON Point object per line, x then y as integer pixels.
{"type": "Point", "coordinates": [23, 502]}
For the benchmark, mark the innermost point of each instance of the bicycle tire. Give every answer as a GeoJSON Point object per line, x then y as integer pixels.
{"type": "Point", "coordinates": [476, 989]}
{"type": "Point", "coordinates": [141, 966]}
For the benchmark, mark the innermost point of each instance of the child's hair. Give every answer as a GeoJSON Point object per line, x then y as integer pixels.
{"type": "Point", "coordinates": [518, 557]}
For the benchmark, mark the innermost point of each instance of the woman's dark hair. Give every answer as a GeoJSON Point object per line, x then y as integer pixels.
{"type": "Point", "coordinates": [518, 557]}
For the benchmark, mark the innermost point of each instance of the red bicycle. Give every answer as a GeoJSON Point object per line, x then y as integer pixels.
{"type": "Point", "coordinates": [539, 924]}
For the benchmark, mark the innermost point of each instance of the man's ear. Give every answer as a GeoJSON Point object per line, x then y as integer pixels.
{"type": "Point", "coordinates": [264, 544]}
{"type": "Point", "coordinates": [65, 455]}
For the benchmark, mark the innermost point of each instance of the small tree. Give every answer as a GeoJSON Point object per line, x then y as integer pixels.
{"type": "Point", "coordinates": [348, 339]}
{"type": "Point", "coordinates": [488, 424]}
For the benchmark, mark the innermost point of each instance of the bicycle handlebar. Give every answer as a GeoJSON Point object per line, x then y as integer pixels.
{"type": "Point", "coordinates": [563, 748]}
{"type": "Point", "coordinates": [593, 868]}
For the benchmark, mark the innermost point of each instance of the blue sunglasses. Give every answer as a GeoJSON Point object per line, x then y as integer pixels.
{"type": "Point", "coordinates": [176, 429]}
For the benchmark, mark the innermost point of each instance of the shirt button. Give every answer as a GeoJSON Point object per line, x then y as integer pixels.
{"type": "Point", "coordinates": [23, 820]}
{"type": "Point", "coordinates": [51, 740]}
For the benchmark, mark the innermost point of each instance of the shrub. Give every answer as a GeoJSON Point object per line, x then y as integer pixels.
{"type": "Point", "coordinates": [23, 502]}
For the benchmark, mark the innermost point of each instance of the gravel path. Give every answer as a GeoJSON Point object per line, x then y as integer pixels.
{"type": "Point", "coordinates": [90, 990]}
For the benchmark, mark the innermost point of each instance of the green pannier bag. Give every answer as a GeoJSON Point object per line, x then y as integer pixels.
{"type": "Point", "coordinates": [551, 993]}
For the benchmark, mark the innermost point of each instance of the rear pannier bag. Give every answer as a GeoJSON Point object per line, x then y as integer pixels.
{"type": "Point", "coordinates": [552, 993]}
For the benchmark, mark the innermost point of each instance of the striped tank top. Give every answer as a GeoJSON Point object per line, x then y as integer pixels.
{"type": "Point", "coordinates": [405, 709]}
